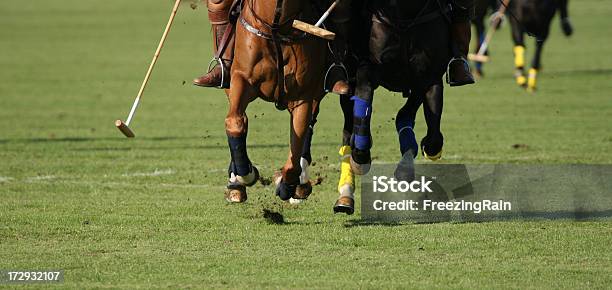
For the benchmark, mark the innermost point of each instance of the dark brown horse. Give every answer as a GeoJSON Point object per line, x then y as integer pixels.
{"type": "Point", "coordinates": [281, 65]}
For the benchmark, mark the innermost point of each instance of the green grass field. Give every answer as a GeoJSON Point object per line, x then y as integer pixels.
{"type": "Point", "coordinates": [150, 213]}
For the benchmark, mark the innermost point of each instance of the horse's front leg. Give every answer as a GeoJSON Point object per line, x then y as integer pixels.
{"type": "Point", "coordinates": [305, 187]}
{"type": "Point", "coordinates": [361, 139]}
{"type": "Point", "coordinates": [301, 112]}
{"type": "Point", "coordinates": [346, 184]}
{"type": "Point", "coordinates": [404, 124]}
{"type": "Point", "coordinates": [241, 171]}
{"type": "Point", "coordinates": [519, 52]}
{"type": "Point", "coordinates": [431, 144]}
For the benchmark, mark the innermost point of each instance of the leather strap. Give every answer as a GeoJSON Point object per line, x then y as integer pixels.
{"type": "Point", "coordinates": [281, 103]}
{"type": "Point", "coordinates": [229, 29]}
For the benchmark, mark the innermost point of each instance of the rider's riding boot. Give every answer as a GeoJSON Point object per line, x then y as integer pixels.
{"type": "Point", "coordinates": [459, 73]}
{"type": "Point", "coordinates": [219, 17]}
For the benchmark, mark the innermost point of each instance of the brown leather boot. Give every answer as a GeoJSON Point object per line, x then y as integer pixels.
{"type": "Point", "coordinates": [219, 76]}
{"type": "Point", "coordinates": [459, 73]}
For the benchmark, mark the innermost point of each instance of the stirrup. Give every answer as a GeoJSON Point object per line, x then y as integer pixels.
{"type": "Point", "coordinates": [329, 88]}
{"type": "Point", "coordinates": [462, 59]}
{"type": "Point", "coordinates": [218, 61]}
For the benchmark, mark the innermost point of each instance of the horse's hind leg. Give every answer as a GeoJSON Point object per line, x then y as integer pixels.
{"type": "Point", "coordinates": [241, 171]}
{"type": "Point", "coordinates": [346, 184]}
{"type": "Point", "coordinates": [300, 119]}
{"type": "Point", "coordinates": [404, 124]}
{"type": "Point", "coordinates": [431, 144]}
{"type": "Point", "coordinates": [535, 66]}
{"type": "Point", "coordinates": [566, 24]}
{"type": "Point", "coordinates": [519, 52]}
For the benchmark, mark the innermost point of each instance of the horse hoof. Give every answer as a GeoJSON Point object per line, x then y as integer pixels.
{"type": "Point", "coordinates": [235, 193]}
{"type": "Point", "coordinates": [432, 150]}
{"type": "Point", "coordinates": [285, 191]}
{"type": "Point", "coordinates": [432, 157]}
{"type": "Point", "coordinates": [250, 179]}
{"type": "Point", "coordinates": [405, 168]}
{"type": "Point", "coordinates": [344, 204]}
{"type": "Point", "coordinates": [303, 191]}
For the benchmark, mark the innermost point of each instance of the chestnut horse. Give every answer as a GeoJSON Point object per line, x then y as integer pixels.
{"type": "Point", "coordinates": [281, 65]}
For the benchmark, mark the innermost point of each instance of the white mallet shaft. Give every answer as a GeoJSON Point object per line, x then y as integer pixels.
{"type": "Point", "coordinates": [492, 28]}
{"type": "Point", "coordinates": [155, 57]}
{"type": "Point", "coordinates": [326, 14]}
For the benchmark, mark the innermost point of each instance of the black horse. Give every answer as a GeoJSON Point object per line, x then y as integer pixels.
{"type": "Point", "coordinates": [534, 17]}
{"type": "Point", "coordinates": [405, 47]}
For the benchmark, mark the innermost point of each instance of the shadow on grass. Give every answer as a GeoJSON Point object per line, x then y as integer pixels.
{"type": "Point", "coordinates": [577, 216]}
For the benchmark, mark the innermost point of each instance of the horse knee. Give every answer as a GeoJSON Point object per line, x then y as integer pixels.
{"type": "Point", "coordinates": [236, 126]}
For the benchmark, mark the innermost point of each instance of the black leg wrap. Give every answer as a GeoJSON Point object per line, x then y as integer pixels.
{"type": "Point", "coordinates": [307, 143]}
{"type": "Point", "coordinates": [240, 159]}
{"type": "Point", "coordinates": [285, 191]}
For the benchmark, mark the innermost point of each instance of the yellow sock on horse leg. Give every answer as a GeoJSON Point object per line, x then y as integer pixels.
{"type": "Point", "coordinates": [531, 82]}
{"type": "Point", "coordinates": [519, 63]}
{"type": "Point", "coordinates": [519, 56]}
{"type": "Point", "coordinates": [346, 184]}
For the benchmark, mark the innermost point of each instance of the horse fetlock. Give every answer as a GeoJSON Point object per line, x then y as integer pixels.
{"type": "Point", "coordinates": [405, 167]}
{"type": "Point", "coordinates": [360, 161]}
{"type": "Point", "coordinates": [519, 75]}
{"type": "Point", "coordinates": [249, 179]}
{"type": "Point", "coordinates": [305, 172]}
{"type": "Point", "coordinates": [285, 191]}
{"type": "Point", "coordinates": [532, 80]}
{"type": "Point", "coordinates": [346, 175]}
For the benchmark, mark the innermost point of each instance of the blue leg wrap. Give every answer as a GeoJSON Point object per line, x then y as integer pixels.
{"type": "Point", "coordinates": [404, 126]}
{"type": "Point", "coordinates": [241, 162]}
{"type": "Point", "coordinates": [362, 111]}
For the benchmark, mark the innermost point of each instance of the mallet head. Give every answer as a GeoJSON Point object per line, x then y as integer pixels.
{"type": "Point", "coordinates": [124, 129]}
{"type": "Point", "coordinates": [478, 58]}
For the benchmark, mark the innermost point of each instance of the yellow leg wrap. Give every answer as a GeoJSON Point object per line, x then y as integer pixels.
{"type": "Point", "coordinates": [521, 80]}
{"type": "Point", "coordinates": [519, 56]}
{"type": "Point", "coordinates": [346, 176]}
{"type": "Point", "coordinates": [531, 82]}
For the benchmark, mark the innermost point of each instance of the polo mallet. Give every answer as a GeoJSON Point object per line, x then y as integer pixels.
{"type": "Point", "coordinates": [124, 127]}
{"type": "Point", "coordinates": [495, 21]}
{"type": "Point", "coordinates": [316, 29]}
